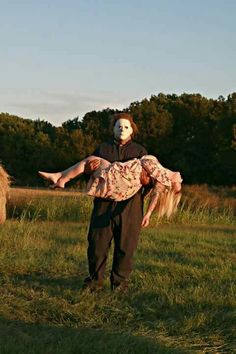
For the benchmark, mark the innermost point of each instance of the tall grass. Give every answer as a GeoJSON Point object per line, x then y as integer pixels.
{"type": "Point", "coordinates": [199, 204]}
{"type": "Point", "coordinates": [182, 296]}
{"type": "Point", "coordinates": [43, 205]}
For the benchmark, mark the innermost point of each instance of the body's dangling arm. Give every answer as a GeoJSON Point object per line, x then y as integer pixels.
{"type": "Point", "coordinates": [152, 203]}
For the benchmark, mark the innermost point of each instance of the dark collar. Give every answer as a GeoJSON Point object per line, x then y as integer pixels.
{"type": "Point", "coordinates": [116, 142]}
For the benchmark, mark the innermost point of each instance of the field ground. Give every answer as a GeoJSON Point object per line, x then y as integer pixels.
{"type": "Point", "coordinates": [182, 295]}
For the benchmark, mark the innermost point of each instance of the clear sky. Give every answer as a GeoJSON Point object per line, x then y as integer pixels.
{"type": "Point", "coordinates": [62, 58]}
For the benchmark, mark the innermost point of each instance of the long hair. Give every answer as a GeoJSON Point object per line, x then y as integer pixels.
{"type": "Point", "coordinates": [167, 186]}
{"type": "Point", "coordinates": [167, 203]}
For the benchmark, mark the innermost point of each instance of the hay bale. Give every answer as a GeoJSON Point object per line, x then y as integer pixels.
{"type": "Point", "coordinates": [4, 188]}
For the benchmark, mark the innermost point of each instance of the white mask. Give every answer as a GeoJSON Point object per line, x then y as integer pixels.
{"type": "Point", "coordinates": [123, 129]}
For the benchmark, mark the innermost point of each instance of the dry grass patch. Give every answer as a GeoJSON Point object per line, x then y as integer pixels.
{"type": "Point", "coordinates": [4, 188]}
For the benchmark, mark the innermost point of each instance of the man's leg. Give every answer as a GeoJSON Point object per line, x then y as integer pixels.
{"type": "Point", "coordinates": [126, 229]}
{"type": "Point", "coordinates": [99, 241]}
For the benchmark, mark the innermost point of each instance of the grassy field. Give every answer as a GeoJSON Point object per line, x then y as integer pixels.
{"type": "Point", "coordinates": [182, 290]}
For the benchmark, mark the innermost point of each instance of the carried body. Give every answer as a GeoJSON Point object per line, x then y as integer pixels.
{"type": "Point", "coordinates": [121, 180]}
{"type": "Point", "coordinates": [124, 168]}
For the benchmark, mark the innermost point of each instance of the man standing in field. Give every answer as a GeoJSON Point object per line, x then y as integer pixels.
{"type": "Point", "coordinates": [120, 221]}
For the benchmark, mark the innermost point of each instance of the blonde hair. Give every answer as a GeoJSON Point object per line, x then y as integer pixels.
{"type": "Point", "coordinates": [167, 202]}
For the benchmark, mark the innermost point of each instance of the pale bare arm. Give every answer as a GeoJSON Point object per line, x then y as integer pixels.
{"type": "Point", "coordinates": [152, 204]}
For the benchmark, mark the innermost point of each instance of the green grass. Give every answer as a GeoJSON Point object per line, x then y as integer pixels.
{"type": "Point", "coordinates": [182, 296]}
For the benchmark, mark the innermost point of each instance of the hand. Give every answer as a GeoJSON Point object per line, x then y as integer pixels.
{"type": "Point", "coordinates": [145, 221]}
{"type": "Point", "coordinates": [91, 166]}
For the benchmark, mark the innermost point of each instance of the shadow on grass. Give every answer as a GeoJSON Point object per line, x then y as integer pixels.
{"type": "Point", "coordinates": [54, 286]}
{"type": "Point", "coordinates": [21, 337]}
{"type": "Point", "coordinates": [40, 278]}
{"type": "Point", "coordinates": [202, 320]}
{"type": "Point", "coordinates": [210, 245]}
{"type": "Point", "coordinates": [177, 258]}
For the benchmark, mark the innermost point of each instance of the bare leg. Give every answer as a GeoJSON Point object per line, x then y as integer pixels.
{"type": "Point", "coordinates": [52, 177]}
{"type": "Point", "coordinates": [59, 179]}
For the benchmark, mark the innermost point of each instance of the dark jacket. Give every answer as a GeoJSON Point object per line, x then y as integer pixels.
{"type": "Point", "coordinates": [112, 151]}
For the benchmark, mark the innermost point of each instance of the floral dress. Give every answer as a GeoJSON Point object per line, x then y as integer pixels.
{"type": "Point", "coordinates": [121, 180]}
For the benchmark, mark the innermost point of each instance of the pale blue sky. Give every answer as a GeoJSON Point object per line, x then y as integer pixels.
{"type": "Point", "coordinates": [62, 58]}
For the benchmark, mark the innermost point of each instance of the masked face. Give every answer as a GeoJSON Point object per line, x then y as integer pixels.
{"type": "Point", "coordinates": [123, 130]}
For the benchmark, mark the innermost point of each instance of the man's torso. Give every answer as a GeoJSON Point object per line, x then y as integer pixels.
{"type": "Point", "coordinates": [114, 152]}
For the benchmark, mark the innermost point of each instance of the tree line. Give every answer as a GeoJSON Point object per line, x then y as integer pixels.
{"type": "Point", "coordinates": [188, 133]}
